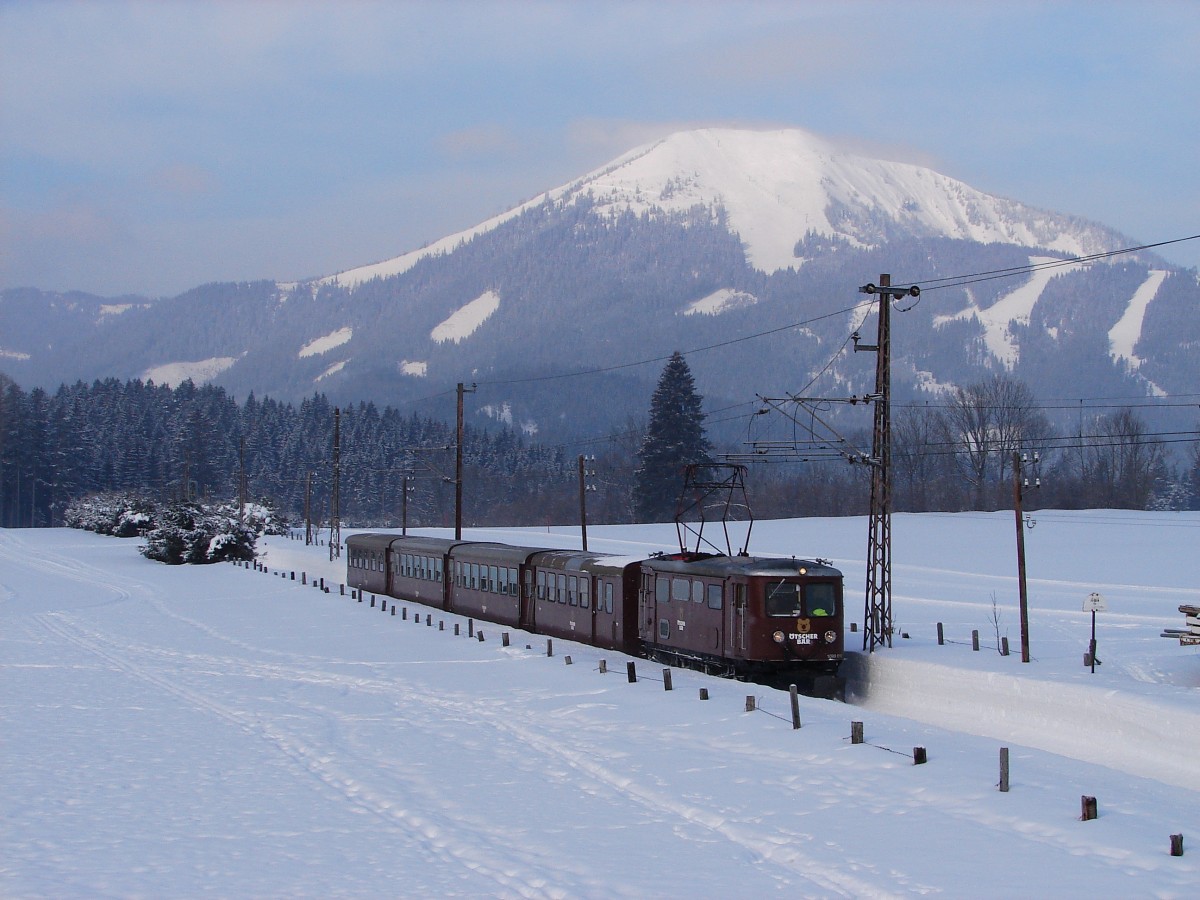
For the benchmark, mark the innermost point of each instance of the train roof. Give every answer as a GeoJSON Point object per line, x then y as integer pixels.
{"type": "Point", "coordinates": [505, 554]}
{"type": "Point", "coordinates": [724, 566]}
{"type": "Point", "coordinates": [583, 561]}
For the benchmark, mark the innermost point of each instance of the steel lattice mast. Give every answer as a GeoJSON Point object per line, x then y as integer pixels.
{"type": "Point", "coordinates": [877, 614]}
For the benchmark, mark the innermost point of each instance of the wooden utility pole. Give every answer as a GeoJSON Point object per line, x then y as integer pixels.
{"type": "Point", "coordinates": [404, 508]}
{"type": "Point", "coordinates": [308, 529]}
{"type": "Point", "coordinates": [582, 501]}
{"type": "Point", "coordinates": [335, 515]}
{"type": "Point", "coordinates": [1020, 514]}
{"type": "Point", "coordinates": [242, 479]}
{"type": "Point", "coordinates": [458, 463]}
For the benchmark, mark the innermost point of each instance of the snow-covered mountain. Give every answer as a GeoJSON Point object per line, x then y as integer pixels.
{"type": "Point", "coordinates": [682, 244]}
{"type": "Point", "coordinates": [776, 187]}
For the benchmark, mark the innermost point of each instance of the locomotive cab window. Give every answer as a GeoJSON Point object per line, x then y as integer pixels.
{"type": "Point", "coordinates": [820, 599]}
{"type": "Point", "coordinates": [716, 596]}
{"type": "Point", "coordinates": [783, 599]}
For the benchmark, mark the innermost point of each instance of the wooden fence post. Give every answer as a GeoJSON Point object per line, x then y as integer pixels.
{"type": "Point", "coordinates": [1004, 769]}
{"type": "Point", "coordinates": [504, 639]}
{"type": "Point", "coordinates": [856, 732]}
{"type": "Point", "coordinates": [703, 693]}
{"type": "Point", "coordinates": [604, 667]}
{"type": "Point", "coordinates": [1088, 808]}
{"type": "Point", "coordinates": [631, 672]}
{"type": "Point", "coordinates": [750, 703]}
{"type": "Point", "coordinates": [666, 679]}
{"type": "Point", "coordinates": [919, 756]}
{"type": "Point", "coordinates": [941, 635]}
{"type": "Point", "coordinates": [795, 695]}
{"type": "Point", "coordinates": [1177, 845]}
{"type": "Point", "coordinates": [975, 639]}
{"type": "Point", "coordinates": [549, 647]}
{"type": "Point", "coordinates": [567, 660]}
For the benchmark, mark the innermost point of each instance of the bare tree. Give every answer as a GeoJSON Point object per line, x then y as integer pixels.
{"type": "Point", "coordinates": [915, 457]}
{"type": "Point", "coordinates": [983, 424]}
{"type": "Point", "coordinates": [1121, 465]}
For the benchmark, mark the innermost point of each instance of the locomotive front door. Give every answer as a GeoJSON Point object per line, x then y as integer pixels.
{"type": "Point", "coordinates": [737, 621]}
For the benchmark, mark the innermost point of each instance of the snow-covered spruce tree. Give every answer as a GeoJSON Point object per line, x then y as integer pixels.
{"type": "Point", "coordinates": [675, 437]}
{"type": "Point", "coordinates": [191, 533]}
{"type": "Point", "coordinates": [119, 513]}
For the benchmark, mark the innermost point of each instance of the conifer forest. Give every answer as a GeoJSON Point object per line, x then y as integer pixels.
{"type": "Point", "coordinates": [198, 442]}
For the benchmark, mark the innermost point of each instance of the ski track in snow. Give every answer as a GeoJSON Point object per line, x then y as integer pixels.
{"type": "Point", "coordinates": [447, 841]}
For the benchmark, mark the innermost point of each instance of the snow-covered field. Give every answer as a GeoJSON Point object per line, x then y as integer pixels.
{"type": "Point", "coordinates": [219, 731]}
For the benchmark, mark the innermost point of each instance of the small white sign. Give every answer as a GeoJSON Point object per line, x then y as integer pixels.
{"type": "Point", "coordinates": [1095, 603]}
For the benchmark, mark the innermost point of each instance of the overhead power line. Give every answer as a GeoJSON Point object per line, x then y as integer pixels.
{"type": "Point", "coordinates": [934, 284]}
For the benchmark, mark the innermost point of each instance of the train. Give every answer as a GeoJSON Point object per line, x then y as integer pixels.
{"type": "Point", "coordinates": [766, 619]}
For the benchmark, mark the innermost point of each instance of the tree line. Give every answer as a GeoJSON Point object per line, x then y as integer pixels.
{"type": "Point", "coordinates": [195, 442]}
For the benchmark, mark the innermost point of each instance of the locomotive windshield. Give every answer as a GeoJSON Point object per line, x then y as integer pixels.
{"type": "Point", "coordinates": [787, 599]}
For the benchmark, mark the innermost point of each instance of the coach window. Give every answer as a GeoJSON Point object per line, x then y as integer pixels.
{"type": "Point", "coordinates": [493, 578]}
{"type": "Point", "coordinates": [681, 589]}
{"type": "Point", "coordinates": [573, 590]}
{"type": "Point", "coordinates": [585, 592]}
{"type": "Point", "coordinates": [715, 596]}
{"type": "Point", "coordinates": [608, 595]}
{"type": "Point", "coordinates": [502, 584]}
{"type": "Point", "coordinates": [512, 582]}
{"type": "Point", "coordinates": [437, 569]}
{"type": "Point", "coordinates": [662, 589]}
{"type": "Point", "coordinates": [541, 585]}
{"type": "Point", "coordinates": [560, 592]}
{"type": "Point", "coordinates": [697, 591]}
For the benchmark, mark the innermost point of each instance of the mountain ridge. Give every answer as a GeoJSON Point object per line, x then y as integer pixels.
{"type": "Point", "coordinates": [681, 243]}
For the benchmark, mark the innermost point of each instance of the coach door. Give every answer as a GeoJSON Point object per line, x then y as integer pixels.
{"type": "Point", "coordinates": [646, 607]}
{"type": "Point", "coordinates": [528, 618]}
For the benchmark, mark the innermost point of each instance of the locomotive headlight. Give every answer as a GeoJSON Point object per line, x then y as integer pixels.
{"type": "Point", "coordinates": [778, 637]}
{"type": "Point", "coordinates": [830, 637]}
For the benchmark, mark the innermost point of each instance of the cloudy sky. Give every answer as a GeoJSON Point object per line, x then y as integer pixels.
{"type": "Point", "coordinates": [148, 147]}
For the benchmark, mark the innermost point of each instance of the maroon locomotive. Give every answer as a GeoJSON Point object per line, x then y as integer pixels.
{"type": "Point", "coordinates": [730, 615]}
